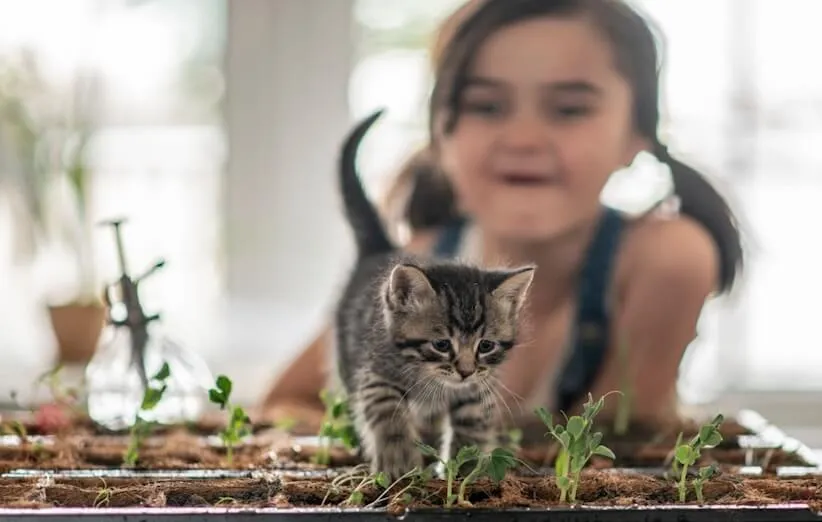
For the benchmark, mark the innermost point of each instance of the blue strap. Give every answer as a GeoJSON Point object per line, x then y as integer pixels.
{"type": "Point", "coordinates": [590, 340]}
{"type": "Point", "coordinates": [448, 243]}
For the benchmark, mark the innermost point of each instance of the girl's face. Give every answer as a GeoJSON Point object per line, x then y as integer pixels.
{"type": "Point", "coordinates": [544, 120]}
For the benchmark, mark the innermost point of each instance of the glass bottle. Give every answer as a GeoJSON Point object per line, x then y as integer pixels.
{"type": "Point", "coordinates": [115, 389]}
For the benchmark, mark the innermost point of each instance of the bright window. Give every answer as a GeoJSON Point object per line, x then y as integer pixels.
{"type": "Point", "coordinates": [157, 159]}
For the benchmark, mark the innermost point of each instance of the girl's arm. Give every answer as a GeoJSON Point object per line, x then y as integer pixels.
{"type": "Point", "coordinates": [666, 271]}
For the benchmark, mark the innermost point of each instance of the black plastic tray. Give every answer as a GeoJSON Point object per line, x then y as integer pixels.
{"type": "Point", "coordinates": [777, 513]}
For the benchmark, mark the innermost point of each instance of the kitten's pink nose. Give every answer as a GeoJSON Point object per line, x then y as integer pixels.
{"type": "Point", "coordinates": [465, 371]}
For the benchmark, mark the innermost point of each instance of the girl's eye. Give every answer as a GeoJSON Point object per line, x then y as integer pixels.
{"type": "Point", "coordinates": [441, 345]}
{"type": "Point", "coordinates": [485, 346]}
{"type": "Point", "coordinates": [486, 108]}
{"type": "Point", "coordinates": [572, 111]}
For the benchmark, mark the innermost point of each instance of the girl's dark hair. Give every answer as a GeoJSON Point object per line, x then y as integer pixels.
{"type": "Point", "coordinates": [420, 195]}
{"type": "Point", "coordinates": [636, 58]}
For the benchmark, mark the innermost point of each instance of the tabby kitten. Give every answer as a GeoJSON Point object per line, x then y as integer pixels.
{"type": "Point", "coordinates": [418, 339]}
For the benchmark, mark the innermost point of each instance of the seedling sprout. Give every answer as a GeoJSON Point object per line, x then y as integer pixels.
{"type": "Point", "coordinates": [238, 425]}
{"type": "Point", "coordinates": [336, 425]}
{"type": "Point", "coordinates": [141, 428]}
{"type": "Point", "coordinates": [578, 445]}
{"type": "Point", "coordinates": [493, 465]}
{"type": "Point", "coordinates": [687, 454]}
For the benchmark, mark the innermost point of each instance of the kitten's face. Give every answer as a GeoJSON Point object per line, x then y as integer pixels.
{"type": "Point", "coordinates": [455, 324]}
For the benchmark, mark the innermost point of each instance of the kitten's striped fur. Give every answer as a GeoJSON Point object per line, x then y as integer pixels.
{"type": "Point", "coordinates": [418, 339]}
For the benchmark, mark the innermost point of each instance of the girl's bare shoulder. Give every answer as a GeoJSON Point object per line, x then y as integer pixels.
{"type": "Point", "coordinates": [668, 249]}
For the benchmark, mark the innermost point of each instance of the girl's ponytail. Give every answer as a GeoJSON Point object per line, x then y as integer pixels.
{"type": "Point", "coordinates": [702, 202]}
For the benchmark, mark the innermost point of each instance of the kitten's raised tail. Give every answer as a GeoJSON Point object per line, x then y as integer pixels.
{"type": "Point", "coordinates": [369, 231]}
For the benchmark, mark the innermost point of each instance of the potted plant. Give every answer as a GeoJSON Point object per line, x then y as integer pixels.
{"type": "Point", "coordinates": [45, 134]}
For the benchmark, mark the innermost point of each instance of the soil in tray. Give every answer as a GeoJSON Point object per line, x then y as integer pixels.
{"type": "Point", "coordinates": [208, 424]}
{"type": "Point", "coordinates": [184, 448]}
{"type": "Point", "coordinates": [173, 450]}
{"type": "Point", "coordinates": [597, 488]}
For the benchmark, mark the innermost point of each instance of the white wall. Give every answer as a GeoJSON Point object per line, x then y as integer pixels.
{"type": "Point", "coordinates": [288, 68]}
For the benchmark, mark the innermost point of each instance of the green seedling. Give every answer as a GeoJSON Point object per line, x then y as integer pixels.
{"type": "Point", "coordinates": [238, 425]}
{"type": "Point", "coordinates": [687, 454]}
{"type": "Point", "coordinates": [347, 478]}
{"type": "Point", "coordinates": [285, 424]}
{"type": "Point", "coordinates": [103, 497]}
{"type": "Point", "coordinates": [494, 465]}
{"type": "Point", "coordinates": [622, 419]}
{"type": "Point", "coordinates": [578, 445]}
{"type": "Point", "coordinates": [336, 426]}
{"type": "Point", "coordinates": [66, 396]}
{"type": "Point", "coordinates": [417, 479]}
{"type": "Point", "coordinates": [358, 478]}
{"type": "Point", "coordinates": [513, 441]}
{"type": "Point", "coordinates": [141, 428]}
{"type": "Point", "coordinates": [705, 474]}
{"type": "Point", "coordinates": [17, 428]}
{"type": "Point", "coordinates": [356, 496]}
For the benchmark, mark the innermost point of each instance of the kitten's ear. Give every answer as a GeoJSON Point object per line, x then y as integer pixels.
{"type": "Point", "coordinates": [514, 286]}
{"type": "Point", "coordinates": [408, 285]}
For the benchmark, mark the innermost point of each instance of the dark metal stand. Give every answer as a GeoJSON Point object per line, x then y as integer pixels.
{"type": "Point", "coordinates": [136, 319]}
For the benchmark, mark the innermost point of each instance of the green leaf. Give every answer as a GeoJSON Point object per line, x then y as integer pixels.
{"type": "Point", "coordinates": [684, 454]}
{"type": "Point", "coordinates": [224, 385]}
{"type": "Point", "coordinates": [217, 397]}
{"type": "Point", "coordinates": [467, 454]}
{"type": "Point", "coordinates": [505, 454]}
{"type": "Point", "coordinates": [565, 439]}
{"type": "Point", "coordinates": [545, 417]}
{"type": "Point", "coordinates": [355, 498]}
{"type": "Point", "coordinates": [708, 472]}
{"type": "Point", "coordinates": [500, 462]}
{"type": "Point", "coordinates": [604, 451]}
{"type": "Point", "coordinates": [563, 482]}
{"type": "Point", "coordinates": [578, 447]}
{"type": "Point", "coordinates": [381, 479]}
{"type": "Point", "coordinates": [238, 416]}
{"type": "Point", "coordinates": [348, 436]}
{"type": "Point", "coordinates": [712, 440]}
{"type": "Point", "coordinates": [151, 398]}
{"type": "Point", "coordinates": [339, 409]}
{"type": "Point", "coordinates": [163, 374]}
{"type": "Point", "coordinates": [594, 441]}
{"type": "Point", "coordinates": [428, 450]}
{"type": "Point", "coordinates": [576, 425]}
{"type": "Point", "coordinates": [706, 431]}
{"type": "Point", "coordinates": [327, 430]}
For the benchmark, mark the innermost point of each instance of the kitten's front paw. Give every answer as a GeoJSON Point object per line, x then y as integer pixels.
{"type": "Point", "coordinates": [397, 459]}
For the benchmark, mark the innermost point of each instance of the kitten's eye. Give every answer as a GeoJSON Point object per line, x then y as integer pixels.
{"type": "Point", "coordinates": [485, 346]}
{"type": "Point", "coordinates": [441, 345]}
